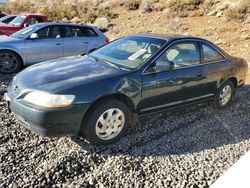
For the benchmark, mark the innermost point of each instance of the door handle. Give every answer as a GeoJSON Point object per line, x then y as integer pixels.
{"type": "Point", "coordinates": [58, 44]}
{"type": "Point", "coordinates": [199, 77]}
{"type": "Point", "coordinates": [86, 42]}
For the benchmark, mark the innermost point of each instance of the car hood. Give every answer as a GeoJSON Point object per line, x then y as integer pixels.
{"type": "Point", "coordinates": [61, 74]}
{"type": "Point", "coordinates": [3, 25]}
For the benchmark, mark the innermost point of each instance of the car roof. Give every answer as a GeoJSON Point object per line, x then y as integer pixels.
{"type": "Point", "coordinates": [171, 38]}
{"type": "Point", "coordinates": [168, 37]}
{"type": "Point", "coordinates": [60, 23]}
{"type": "Point", "coordinates": [33, 14]}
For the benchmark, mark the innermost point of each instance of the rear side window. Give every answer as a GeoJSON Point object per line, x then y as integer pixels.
{"type": "Point", "coordinates": [67, 32]}
{"type": "Point", "coordinates": [210, 54]}
{"type": "Point", "coordinates": [83, 32]}
{"type": "Point", "coordinates": [90, 32]}
{"type": "Point", "coordinates": [73, 31]}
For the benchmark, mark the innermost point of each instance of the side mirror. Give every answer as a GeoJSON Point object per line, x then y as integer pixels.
{"type": "Point", "coordinates": [164, 66]}
{"type": "Point", "coordinates": [34, 36]}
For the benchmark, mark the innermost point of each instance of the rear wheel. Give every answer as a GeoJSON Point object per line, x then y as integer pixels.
{"type": "Point", "coordinates": [10, 62]}
{"type": "Point", "coordinates": [107, 123]}
{"type": "Point", "coordinates": [224, 95]}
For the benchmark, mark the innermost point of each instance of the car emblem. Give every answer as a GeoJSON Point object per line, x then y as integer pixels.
{"type": "Point", "coordinates": [15, 87]}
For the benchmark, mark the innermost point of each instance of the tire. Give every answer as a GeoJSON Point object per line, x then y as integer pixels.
{"type": "Point", "coordinates": [10, 62]}
{"type": "Point", "coordinates": [224, 95]}
{"type": "Point", "coordinates": [107, 122]}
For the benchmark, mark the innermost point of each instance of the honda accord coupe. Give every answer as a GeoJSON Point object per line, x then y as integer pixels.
{"type": "Point", "coordinates": [47, 41]}
{"type": "Point", "coordinates": [100, 94]}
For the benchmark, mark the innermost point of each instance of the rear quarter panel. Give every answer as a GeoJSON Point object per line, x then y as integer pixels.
{"type": "Point", "coordinates": [239, 69]}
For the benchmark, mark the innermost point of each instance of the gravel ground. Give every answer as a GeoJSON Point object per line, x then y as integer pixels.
{"type": "Point", "coordinates": [191, 147]}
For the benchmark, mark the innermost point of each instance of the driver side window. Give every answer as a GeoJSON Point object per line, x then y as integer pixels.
{"type": "Point", "coordinates": [30, 21]}
{"type": "Point", "coordinates": [179, 55]}
{"type": "Point", "coordinates": [49, 32]}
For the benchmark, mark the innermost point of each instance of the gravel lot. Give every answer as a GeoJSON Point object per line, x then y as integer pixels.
{"type": "Point", "coordinates": [191, 147]}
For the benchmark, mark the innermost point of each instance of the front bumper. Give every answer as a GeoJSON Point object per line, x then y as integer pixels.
{"type": "Point", "coordinates": [47, 122]}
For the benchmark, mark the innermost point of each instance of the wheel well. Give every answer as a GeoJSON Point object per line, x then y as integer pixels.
{"type": "Point", "coordinates": [121, 97]}
{"type": "Point", "coordinates": [234, 81]}
{"type": "Point", "coordinates": [14, 53]}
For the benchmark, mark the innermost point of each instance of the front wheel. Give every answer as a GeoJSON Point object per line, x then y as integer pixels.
{"type": "Point", "coordinates": [224, 95]}
{"type": "Point", "coordinates": [107, 122]}
{"type": "Point", "coordinates": [9, 62]}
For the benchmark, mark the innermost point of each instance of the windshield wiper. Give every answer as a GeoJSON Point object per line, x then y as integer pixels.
{"type": "Point", "coordinates": [105, 61]}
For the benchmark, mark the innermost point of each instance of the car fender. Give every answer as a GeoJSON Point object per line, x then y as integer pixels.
{"type": "Point", "coordinates": [127, 87]}
{"type": "Point", "coordinates": [17, 50]}
{"type": "Point", "coordinates": [126, 84]}
{"type": "Point", "coordinates": [127, 90]}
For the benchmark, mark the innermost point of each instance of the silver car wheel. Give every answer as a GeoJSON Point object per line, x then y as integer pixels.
{"type": "Point", "coordinates": [8, 63]}
{"type": "Point", "coordinates": [225, 95]}
{"type": "Point", "coordinates": [110, 124]}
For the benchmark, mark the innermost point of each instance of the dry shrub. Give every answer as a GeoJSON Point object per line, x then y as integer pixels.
{"type": "Point", "coordinates": [207, 6]}
{"type": "Point", "coordinates": [132, 4]}
{"type": "Point", "coordinates": [240, 11]}
{"type": "Point", "coordinates": [151, 5]}
{"type": "Point", "coordinates": [66, 10]}
{"type": "Point", "coordinates": [175, 24]}
{"type": "Point", "coordinates": [184, 8]}
{"type": "Point", "coordinates": [17, 7]}
{"type": "Point", "coordinates": [147, 5]}
{"type": "Point", "coordinates": [102, 23]}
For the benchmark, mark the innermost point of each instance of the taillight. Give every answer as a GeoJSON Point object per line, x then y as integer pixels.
{"type": "Point", "coordinates": [106, 41]}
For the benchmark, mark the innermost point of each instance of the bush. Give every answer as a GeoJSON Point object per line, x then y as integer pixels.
{"type": "Point", "coordinates": [147, 5]}
{"type": "Point", "coordinates": [102, 23]}
{"type": "Point", "coordinates": [175, 24]}
{"type": "Point", "coordinates": [184, 8]}
{"type": "Point", "coordinates": [239, 11]}
{"type": "Point", "coordinates": [16, 8]}
{"type": "Point", "coordinates": [58, 10]}
{"type": "Point", "coordinates": [132, 4]}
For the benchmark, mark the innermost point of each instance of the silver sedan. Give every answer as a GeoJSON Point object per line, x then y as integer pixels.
{"type": "Point", "coordinates": [47, 41]}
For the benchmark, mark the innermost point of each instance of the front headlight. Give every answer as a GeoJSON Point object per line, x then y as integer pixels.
{"type": "Point", "coordinates": [49, 100]}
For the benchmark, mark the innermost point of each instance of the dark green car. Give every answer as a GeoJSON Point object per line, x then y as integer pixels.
{"type": "Point", "coordinates": [99, 94]}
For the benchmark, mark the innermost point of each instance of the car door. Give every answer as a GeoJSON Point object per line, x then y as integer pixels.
{"type": "Point", "coordinates": [47, 46]}
{"type": "Point", "coordinates": [183, 82]}
{"type": "Point", "coordinates": [74, 41]}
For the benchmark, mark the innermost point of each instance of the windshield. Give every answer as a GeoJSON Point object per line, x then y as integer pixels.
{"type": "Point", "coordinates": [24, 33]}
{"type": "Point", "coordinates": [129, 52]}
{"type": "Point", "coordinates": [18, 20]}
{"type": "Point", "coordinates": [4, 18]}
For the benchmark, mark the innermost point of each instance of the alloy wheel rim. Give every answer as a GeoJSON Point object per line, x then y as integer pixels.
{"type": "Point", "coordinates": [225, 95]}
{"type": "Point", "coordinates": [110, 124]}
{"type": "Point", "coordinates": [8, 63]}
